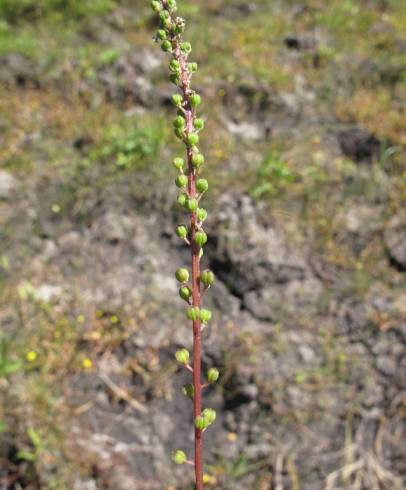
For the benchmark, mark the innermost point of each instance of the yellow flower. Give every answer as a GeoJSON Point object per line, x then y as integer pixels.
{"type": "Point", "coordinates": [209, 479]}
{"type": "Point", "coordinates": [87, 363]}
{"type": "Point", "coordinates": [31, 356]}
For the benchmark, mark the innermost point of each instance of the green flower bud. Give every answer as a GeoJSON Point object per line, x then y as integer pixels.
{"type": "Point", "coordinates": [186, 47]}
{"type": "Point", "coordinates": [182, 200]}
{"type": "Point", "coordinates": [193, 139]}
{"type": "Point", "coordinates": [205, 315]}
{"type": "Point", "coordinates": [166, 46]}
{"type": "Point", "coordinates": [192, 205]}
{"type": "Point", "coordinates": [185, 293]}
{"type": "Point", "coordinates": [207, 277]}
{"type": "Point", "coordinates": [182, 356]}
{"type": "Point", "coordinates": [200, 238]}
{"type": "Point", "coordinates": [201, 423]}
{"type": "Point", "coordinates": [179, 122]}
{"type": "Point", "coordinates": [181, 181]}
{"type": "Point", "coordinates": [192, 313]}
{"type": "Point", "coordinates": [179, 457]}
{"type": "Point", "coordinates": [177, 100]}
{"type": "Point", "coordinates": [189, 390]}
{"type": "Point", "coordinates": [161, 34]}
{"type": "Point", "coordinates": [171, 5]}
{"type": "Point", "coordinates": [182, 275]}
{"type": "Point", "coordinates": [179, 133]}
{"type": "Point", "coordinates": [213, 375]}
{"type": "Point", "coordinates": [209, 415]}
{"type": "Point", "coordinates": [178, 163]}
{"type": "Point", "coordinates": [195, 100]}
{"type": "Point", "coordinates": [197, 159]}
{"type": "Point", "coordinates": [201, 214]}
{"type": "Point", "coordinates": [174, 65]}
{"type": "Point", "coordinates": [202, 185]}
{"type": "Point", "coordinates": [198, 124]}
{"type": "Point", "coordinates": [182, 231]}
{"type": "Point", "coordinates": [192, 67]}
{"type": "Point", "coordinates": [174, 78]}
{"type": "Point", "coordinates": [156, 5]}
{"type": "Point", "coordinates": [164, 14]}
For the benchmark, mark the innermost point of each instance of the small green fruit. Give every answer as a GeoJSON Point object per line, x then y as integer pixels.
{"type": "Point", "coordinates": [202, 185]}
{"type": "Point", "coordinates": [192, 313]}
{"type": "Point", "coordinates": [182, 356]}
{"type": "Point", "coordinates": [181, 231]}
{"type": "Point", "coordinates": [179, 133]}
{"type": "Point", "coordinates": [209, 415]}
{"type": "Point", "coordinates": [189, 390]}
{"type": "Point", "coordinates": [201, 214]}
{"type": "Point", "coordinates": [186, 47]}
{"type": "Point", "coordinates": [200, 238]}
{"type": "Point", "coordinates": [195, 100]}
{"type": "Point", "coordinates": [156, 5]}
{"type": "Point", "coordinates": [197, 159]}
{"type": "Point", "coordinates": [205, 315]}
{"type": "Point", "coordinates": [182, 275]}
{"type": "Point", "coordinates": [179, 122]}
{"type": "Point", "coordinates": [193, 139]}
{"type": "Point", "coordinates": [164, 14]}
{"type": "Point", "coordinates": [178, 163]}
{"type": "Point", "coordinates": [185, 293]}
{"type": "Point", "coordinates": [161, 34]}
{"type": "Point", "coordinates": [166, 46]}
{"type": "Point", "coordinates": [192, 67]}
{"type": "Point", "coordinates": [213, 375]}
{"type": "Point", "coordinates": [182, 200]}
{"type": "Point", "coordinates": [207, 277]}
{"type": "Point", "coordinates": [174, 66]}
{"type": "Point", "coordinates": [171, 5]}
{"type": "Point", "coordinates": [198, 124]}
{"type": "Point", "coordinates": [192, 205]}
{"type": "Point", "coordinates": [201, 423]}
{"type": "Point", "coordinates": [174, 78]}
{"type": "Point", "coordinates": [181, 181]}
{"type": "Point", "coordinates": [179, 457]}
{"type": "Point", "coordinates": [177, 100]}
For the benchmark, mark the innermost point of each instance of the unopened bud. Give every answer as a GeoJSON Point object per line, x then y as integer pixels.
{"type": "Point", "coordinates": [178, 163]}
{"type": "Point", "coordinates": [209, 415]}
{"type": "Point", "coordinates": [213, 375]}
{"type": "Point", "coordinates": [181, 181]}
{"type": "Point", "coordinates": [198, 124]}
{"type": "Point", "coordinates": [179, 122]}
{"type": "Point", "coordinates": [177, 100]}
{"type": "Point", "coordinates": [182, 275]}
{"type": "Point", "coordinates": [200, 238]}
{"type": "Point", "coordinates": [179, 457]}
{"type": "Point", "coordinates": [186, 47]}
{"type": "Point", "coordinates": [189, 390]}
{"type": "Point", "coordinates": [192, 67]}
{"type": "Point", "coordinates": [182, 231]}
{"type": "Point", "coordinates": [201, 423]}
{"type": "Point", "coordinates": [201, 214]}
{"type": "Point", "coordinates": [182, 200]}
{"type": "Point", "coordinates": [192, 205]}
{"type": "Point", "coordinates": [195, 100]}
{"type": "Point", "coordinates": [197, 159]}
{"type": "Point", "coordinates": [205, 315]}
{"type": "Point", "coordinates": [174, 66]}
{"type": "Point", "coordinates": [174, 78]}
{"type": "Point", "coordinates": [156, 5]}
{"type": "Point", "coordinates": [166, 46]}
{"type": "Point", "coordinates": [193, 139]}
{"type": "Point", "coordinates": [202, 185]}
{"type": "Point", "coordinates": [161, 34]}
{"type": "Point", "coordinates": [192, 313]}
{"type": "Point", "coordinates": [182, 356]}
{"type": "Point", "coordinates": [164, 14]}
{"type": "Point", "coordinates": [185, 293]}
{"type": "Point", "coordinates": [207, 277]}
{"type": "Point", "coordinates": [171, 5]}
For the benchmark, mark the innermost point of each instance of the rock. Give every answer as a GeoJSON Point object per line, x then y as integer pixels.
{"type": "Point", "coordinates": [395, 241]}
{"type": "Point", "coordinates": [8, 185]}
{"type": "Point", "coordinates": [246, 130]}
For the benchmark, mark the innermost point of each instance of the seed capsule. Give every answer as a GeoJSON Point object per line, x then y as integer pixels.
{"type": "Point", "coordinates": [182, 200]}
{"type": "Point", "coordinates": [161, 34]}
{"type": "Point", "coordinates": [166, 46]}
{"type": "Point", "coordinates": [182, 356]}
{"type": "Point", "coordinates": [179, 457]}
{"type": "Point", "coordinates": [185, 293]}
{"type": "Point", "coordinates": [212, 375]}
{"type": "Point", "coordinates": [156, 5]}
{"type": "Point", "coordinates": [195, 100]}
{"type": "Point", "coordinates": [179, 122]}
{"type": "Point", "coordinates": [177, 100]}
{"type": "Point", "coordinates": [181, 231]}
{"type": "Point", "coordinates": [202, 185]}
{"type": "Point", "coordinates": [178, 163]}
{"type": "Point", "coordinates": [209, 415]}
{"type": "Point", "coordinates": [192, 67]}
{"type": "Point", "coordinates": [192, 205]}
{"type": "Point", "coordinates": [198, 124]}
{"type": "Point", "coordinates": [193, 139]}
{"type": "Point", "coordinates": [181, 181]}
{"type": "Point", "coordinates": [200, 238]}
{"type": "Point", "coordinates": [182, 275]}
{"type": "Point", "coordinates": [164, 14]}
{"type": "Point", "coordinates": [171, 5]}
{"type": "Point", "coordinates": [205, 315]}
{"type": "Point", "coordinates": [174, 78]}
{"type": "Point", "coordinates": [192, 313]}
{"type": "Point", "coordinates": [174, 65]}
{"type": "Point", "coordinates": [201, 214]}
{"type": "Point", "coordinates": [207, 277]}
{"type": "Point", "coordinates": [201, 423]}
{"type": "Point", "coordinates": [197, 159]}
{"type": "Point", "coordinates": [189, 390]}
{"type": "Point", "coordinates": [186, 47]}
